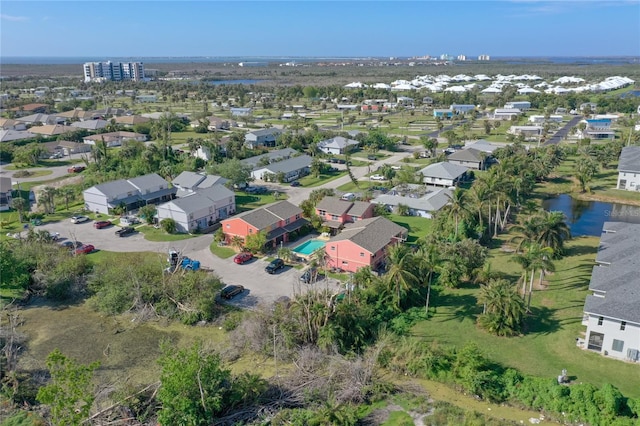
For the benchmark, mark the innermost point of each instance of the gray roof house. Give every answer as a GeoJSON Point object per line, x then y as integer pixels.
{"type": "Point", "coordinates": [43, 119]}
{"type": "Point", "coordinates": [629, 169]}
{"type": "Point", "coordinates": [292, 169]}
{"type": "Point", "coordinates": [91, 124]}
{"type": "Point", "coordinates": [443, 174]}
{"type": "Point", "coordinates": [468, 157]}
{"type": "Point", "coordinates": [337, 145]}
{"type": "Point", "coordinates": [263, 137]}
{"type": "Point", "coordinates": [5, 193]}
{"type": "Point", "coordinates": [271, 156]}
{"type": "Point", "coordinates": [189, 182]}
{"type": "Point", "coordinates": [15, 135]}
{"type": "Point", "coordinates": [611, 311]}
{"type": "Point", "coordinates": [132, 193]}
{"type": "Point", "coordinates": [425, 206]}
{"type": "Point", "coordinates": [199, 210]}
{"type": "Point", "coordinates": [483, 145]}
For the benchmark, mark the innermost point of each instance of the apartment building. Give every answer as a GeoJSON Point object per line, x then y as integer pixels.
{"type": "Point", "coordinates": [113, 71]}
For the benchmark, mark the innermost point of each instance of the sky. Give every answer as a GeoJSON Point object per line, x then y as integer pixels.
{"type": "Point", "coordinates": [86, 28]}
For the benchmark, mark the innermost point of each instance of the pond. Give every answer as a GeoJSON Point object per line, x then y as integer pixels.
{"type": "Point", "coordinates": [587, 217]}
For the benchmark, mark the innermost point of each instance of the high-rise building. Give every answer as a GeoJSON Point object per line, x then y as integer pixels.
{"type": "Point", "coordinates": [113, 71]}
{"type": "Point", "coordinates": [484, 57]}
{"type": "Point", "coordinates": [462, 58]}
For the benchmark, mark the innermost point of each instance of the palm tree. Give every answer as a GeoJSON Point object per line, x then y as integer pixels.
{"type": "Point", "coordinates": [503, 310]}
{"type": "Point", "coordinates": [67, 193]}
{"type": "Point", "coordinates": [400, 274]}
{"type": "Point", "coordinates": [553, 231]}
{"type": "Point", "coordinates": [457, 207]}
{"type": "Point", "coordinates": [47, 197]}
{"type": "Point", "coordinates": [539, 260]}
{"type": "Point", "coordinates": [428, 258]}
{"type": "Point", "coordinates": [237, 242]}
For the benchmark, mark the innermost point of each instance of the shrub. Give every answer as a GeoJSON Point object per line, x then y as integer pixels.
{"type": "Point", "coordinates": [168, 225]}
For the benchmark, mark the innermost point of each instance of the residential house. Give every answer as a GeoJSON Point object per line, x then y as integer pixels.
{"type": "Point", "coordinates": [529, 132]}
{"type": "Point", "coordinates": [27, 109]}
{"type": "Point", "coordinates": [115, 138]}
{"type": "Point", "coordinates": [470, 158]}
{"type": "Point", "coordinates": [419, 202]}
{"type": "Point", "coordinates": [427, 100]}
{"type": "Point", "coordinates": [483, 145]}
{"type": "Point", "coordinates": [506, 113]}
{"type": "Point", "coordinates": [40, 119]}
{"type": "Point", "coordinates": [112, 112]}
{"type": "Point", "coordinates": [90, 125]}
{"type": "Point", "coordinates": [597, 128]}
{"type": "Point", "coordinates": [270, 157]}
{"type": "Point", "coordinates": [291, 169]}
{"type": "Point", "coordinates": [69, 147]}
{"type": "Point", "coordinates": [588, 106]}
{"type": "Point", "coordinates": [462, 109]}
{"type": "Point", "coordinates": [262, 138]}
{"type": "Point", "coordinates": [5, 193]}
{"type": "Point", "coordinates": [541, 119]}
{"type": "Point", "coordinates": [77, 114]}
{"type": "Point", "coordinates": [611, 312]}
{"type": "Point", "coordinates": [131, 120]}
{"type": "Point", "coordinates": [363, 243]}
{"type": "Point", "coordinates": [215, 123]}
{"type": "Point", "coordinates": [337, 145]}
{"type": "Point", "coordinates": [521, 105]}
{"type": "Point", "coordinates": [347, 107]}
{"type": "Point", "coordinates": [146, 98]}
{"type": "Point", "coordinates": [199, 210]}
{"type": "Point", "coordinates": [442, 113]}
{"type": "Point", "coordinates": [131, 193]}
{"type": "Point", "coordinates": [629, 169]}
{"type": "Point", "coordinates": [277, 221]}
{"type": "Point", "coordinates": [336, 212]}
{"type": "Point", "coordinates": [10, 124]}
{"type": "Point", "coordinates": [241, 112]}
{"type": "Point", "coordinates": [444, 174]}
{"type": "Point", "coordinates": [405, 101]}
{"type": "Point", "coordinates": [190, 182]}
{"type": "Point", "coordinates": [52, 129]}
{"type": "Point", "coordinates": [15, 135]}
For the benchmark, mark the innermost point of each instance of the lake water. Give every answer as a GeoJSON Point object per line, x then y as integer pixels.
{"type": "Point", "coordinates": [587, 217]}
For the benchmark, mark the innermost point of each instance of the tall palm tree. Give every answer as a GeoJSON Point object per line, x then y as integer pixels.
{"type": "Point", "coordinates": [540, 260]}
{"type": "Point", "coordinates": [19, 204]}
{"type": "Point", "coordinates": [428, 258]}
{"type": "Point", "coordinates": [503, 310]}
{"type": "Point", "coordinates": [401, 270]}
{"type": "Point", "coordinates": [457, 207]}
{"type": "Point", "coordinates": [553, 231]}
{"type": "Point", "coordinates": [47, 197]}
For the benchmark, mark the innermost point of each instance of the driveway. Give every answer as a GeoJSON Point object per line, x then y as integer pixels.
{"type": "Point", "coordinates": [56, 171]}
{"type": "Point", "coordinates": [564, 131]}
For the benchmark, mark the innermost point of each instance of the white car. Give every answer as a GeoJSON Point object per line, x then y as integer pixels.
{"type": "Point", "coordinates": [377, 177]}
{"type": "Point", "coordinates": [396, 167]}
{"type": "Point", "coordinates": [79, 219]}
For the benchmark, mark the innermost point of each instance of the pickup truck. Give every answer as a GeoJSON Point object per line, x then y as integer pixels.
{"type": "Point", "coordinates": [127, 230]}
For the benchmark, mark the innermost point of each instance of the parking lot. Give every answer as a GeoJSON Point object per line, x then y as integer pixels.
{"type": "Point", "coordinates": [260, 286]}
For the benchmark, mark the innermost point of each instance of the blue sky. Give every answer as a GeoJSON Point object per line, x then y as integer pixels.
{"type": "Point", "coordinates": [319, 28]}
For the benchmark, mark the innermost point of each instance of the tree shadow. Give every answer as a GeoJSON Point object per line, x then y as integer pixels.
{"type": "Point", "coordinates": [541, 321]}
{"type": "Point", "coordinates": [581, 250]}
{"type": "Point", "coordinates": [465, 306]}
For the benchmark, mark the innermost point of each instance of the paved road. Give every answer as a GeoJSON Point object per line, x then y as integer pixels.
{"type": "Point", "coordinates": [57, 171]}
{"type": "Point", "coordinates": [564, 131]}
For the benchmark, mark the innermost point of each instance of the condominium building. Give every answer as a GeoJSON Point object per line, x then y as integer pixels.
{"type": "Point", "coordinates": [113, 71]}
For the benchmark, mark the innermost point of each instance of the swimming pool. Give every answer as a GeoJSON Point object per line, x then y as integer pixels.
{"type": "Point", "coordinates": [308, 247]}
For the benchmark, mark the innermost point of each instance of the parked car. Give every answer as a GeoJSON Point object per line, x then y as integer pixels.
{"type": "Point", "coordinates": [71, 245]}
{"type": "Point", "coordinates": [372, 157]}
{"type": "Point", "coordinates": [231, 291]}
{"type": "Point", "coordinates": [76, 169]}
{"type": "Point", "coordinates": [295, 183]}
{"type": "Point", "coordinates": [85, 249]}
{"type": "Point", "coordinates": [56, 156]}
{"type": "Point", "coordinates": [102, 224]}
{"type": "Point", "coordinates": [129, 220]}
{"type": "Point", "coordinates": [378, 177]}
{"type": "Point", "coordinates": [242, 257]}
{"type": "Point", "coordinates": [309, 276]}
{"type": "Point", "coordinates": [79, 219]}
{"type": "Point", "coordinates": [274, 266]}
{"type": "Point", "coordinates": [127, 230]}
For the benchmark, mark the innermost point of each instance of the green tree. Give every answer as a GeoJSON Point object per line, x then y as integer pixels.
{"type": "Point", "coordinates": [503, 310]}
{"type": "Point", "coordinates": [585, 169]}
{"type": "Point", "coordinates": [67, 194]}
{"type": "Point", "coordinates": [20, 205]}
{"type": "Point", "coordinates": [70, 392]}
{"type": "Point", "coordinates": [256, 242]}
{"type": "Point", "coordinates": [148, 212]}
{"type": "Point", "coordinates": [48, 198]}
{"type": "Point", "coordinates": [168, 225]}
{"type": "Point", "coordinates": [400, 276]}
{"type": "Point", "coordinates": [232, 169]}
{"type": "Point", "coordinates": [430, 144]}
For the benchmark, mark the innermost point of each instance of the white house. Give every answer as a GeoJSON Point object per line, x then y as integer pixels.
{"type": "Point", "coordinates": [5, 193]}
{"type": "Point", "coordinates": [263, 137]}
{"type": "Point", "coordinates": [540, 119]}
{"type": "Point", "coordinates": [526, 131]}
{"type": "Point", "coordinates": [506, 113]}
{"type": "Point", "coordinates": [443, 174]}
{"type": "Point", "coordinates": [461, 108]}
{"type": "Point", "coordinates": [336, 145]}
{"type": "Point", "coordinates": [199, 210]}
{"type": "Point", "coordinates": [521, 105]}
{"type": "Point", "coordinates": [190, 182]}
{"type": "Point", "coordinates": [114, 139]}
{"type": "Point", "coordinates": [611, 312]}
{"type": "Point", "coordinates": [292, 169]}
{"type": "Point", "coordinates": [629, 169]}
{"type": "Point", "coordinates": [131, 193]}
{"type": "Point", "coordinates": [425, 205]}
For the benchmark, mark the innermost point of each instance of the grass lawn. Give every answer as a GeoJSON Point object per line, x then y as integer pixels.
{"type": "Point", "coordinates": [310, 181]}
{"type": "Point", "coordinates": [548, 344]}
{"type": "Point", "coordinates": [153, 234]}
{"type": "Point", "coordinates": [418, 226]}
{"type": "Point", "coordinates": [223, 252]}
{"type": "Point", "coordinates": [32, 173]}
{"type": "Point", "coordinates": [246, 201]}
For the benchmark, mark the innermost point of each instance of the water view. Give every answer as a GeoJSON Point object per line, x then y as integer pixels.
{"type": "Point", "coordinates": [587, 217]}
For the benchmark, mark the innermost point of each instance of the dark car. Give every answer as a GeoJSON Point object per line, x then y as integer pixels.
{"type": "Point", "coordinates": [127, 230]}
{"type": "Point", "coordinates": [261, 190]}
{"type": "Point", "coordinates": [332, 160]}
{"type": "Point", "coordinates": [242, 257]}
{"type": "Point", "coordinates": [372, 157]}
{"type": "Point", "coordinates": [71, 245]}
{"type": "Point", "coordinates": [85, 249]}
{"type": "Point", "coordinates": [76, 169]}
{"type": "Point", "coordinates": [102, 224]}
{"type": "Point", "coordinates": [231, 291]}
{"type": "Point", "coordinates": [295, 183]}
{"type": "Point", "coordinates": [274, 266]}
{"type": "Point", "coordinates": [309, 276]}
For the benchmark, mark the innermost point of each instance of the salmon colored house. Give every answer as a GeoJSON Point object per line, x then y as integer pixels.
{"type": "Point", "coordinates": [335, 213]}
{"type": "Point", "coordinates": [277, 220]}
{"type": "Point", "coordinates": [363, 243]}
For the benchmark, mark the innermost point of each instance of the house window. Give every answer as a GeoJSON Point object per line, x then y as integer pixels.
{"type": "Point", "coordinates": [344, 262]}
{"type": "Point", "coordinates": [361, 254]}
{"type": "Point", "coordinates": [333, 248]}
{"type": "Point", "coordinates": [250, 231]}
{"type": "Point", "coordinates": [595, 341]}
{"type": "Point", "coordinates": [600, 319]}
{"type": "Point", "coordinates": [623, 325]}
{"type": "Point", "coordinates": [297, 216]}
{"type": "Point", "coordinates": [287, 221]}
{"type": "Point", "coordinates": [617, 345]}
{"type": "Point", "coordinates": [322, 212]}
{"type": "Point", "coordinates": [228, 226]}
{"type": "Point", "coordinates": [334, 217]}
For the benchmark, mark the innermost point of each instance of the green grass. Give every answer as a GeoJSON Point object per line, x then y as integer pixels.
{"type": "Point", "coordinates": [418, 226]}
{"type": "Point", "coordinates": [153, 234]}
{"type": "Point", "coordinates": [548, 344]}
{"type": "Point", "coordinates": [32, 173]}
{"type": "Point", "coordinates": [223, 252]}
{"type": "Point", "coordinates": [310, 181]}
{"type": "Point", "coordinates": [246, 201]}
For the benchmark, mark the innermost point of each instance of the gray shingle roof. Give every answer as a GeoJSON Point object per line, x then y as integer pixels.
{"type": "Point", "coordinates": [431, 202]}
{"type": "Point", "coordinates": [619, 281]}
{"type": "Point", "coordinates": [264, 132]}
{"type": "Point", "coordinates": [270, 214]}
{"type": "Point", "coordinates": [371, 234]}
{"type": "Point", "coordinates": [358, 208]}
{"type": "Point", "coordinates": [150, 181]}
{"type": "Point", "coordinates": [482, 145]}
{"type": "Point", "coordinates": [334, 205]}
{"type": "Point", "coordinates": [289, 165]}
{"type": "Point", "coordinates": [467, 154]}
{"type": "Point", "coordinates": [443, 170]}
{"type": "Point", "coordinates": [189, 204]}
{"type": "Point", "coordinates": [188, 179]}
{"type": "Point", "coordinates": [216, 192]}
{"type": "Point", "coordinates": [271, 155]}
{"type": "Point", "coordinates": [212, 180]}
{"type": "Point", "coordinates": [337, 142]}
{"type": "Point", "coordinates": [115, 188]}
{"type": "Point", "coordinates": [629, 159]}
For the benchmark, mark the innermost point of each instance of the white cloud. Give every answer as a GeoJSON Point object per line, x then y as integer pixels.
{"type": "Point", "coordinates": [13, 18]}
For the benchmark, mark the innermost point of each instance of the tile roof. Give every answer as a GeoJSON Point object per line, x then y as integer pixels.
{"type": "Point", "coordinates": [629, 159]}
{"type": "Point", "coordinates": [52, 129]}
{"type": "Point", "coordinates": [371, 234]}
{"type": "Point", "coordinates": [90, 124]}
